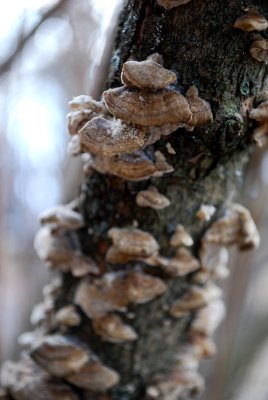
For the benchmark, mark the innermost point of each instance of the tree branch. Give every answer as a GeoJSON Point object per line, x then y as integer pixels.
{"type": "Point", "coordinates": [6, 65]}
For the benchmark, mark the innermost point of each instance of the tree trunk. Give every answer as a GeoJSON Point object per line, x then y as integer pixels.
{"type": "Point", "coordinates": [198, 42]}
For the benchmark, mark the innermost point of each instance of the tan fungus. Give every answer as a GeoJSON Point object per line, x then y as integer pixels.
{"type": "Point", "coordinates": [146, 74]}
{"type": "Point", "coordinates": [94, 376]}
{"type": "Point", "coordinates": [194, 298]}
{"type": "Point", "coordinates": [59, 355]}
{"type": "Point", "coordinates": [170, 149]}
{"type": "Point", "coordinates": [58, 251]}
{"type": "Point", "coordinates": [115, 291]}
{"type": "Point", "coordinates": [74, 147]}
{"type": "Point", "coordinates": [156, 57]}
{"type": "Point", "coordinates": [152, 198]}
{"type": "Point", "coordinates": [146, 108]}
{"type": "Point", "coordinates": [171, 386]}
{"type": "Point", "coordinates": [109, 137]}
{"type": "Point", "coordinates": [85, 102]}
{"type": "Point", "coordinates": [63, 217]}
{"type": "Point", "coordinates": [26, 381]}
{"type": "Point", "coordinates": [204, 346]}
{"type": "Point", "coordinates": [260, 134]}
{"type": "Point", "coordinates": [78, 118]}
{"type": "Point", "coordinates": [134, 167]}
{"type": "Point", "coordinates": [115, 256]}
{"type": "Point", "coordinates": [183, 263]}
{"type": "Point", "coordinates": [205, 212]}
{"type": "Point", "coordinates": [235, 227]}
{"type": "Point", "coordinates": [208, 318]}
{"type": "Point", "coordinates": [161, 164]}
{"type": "Point", "coordinates": [259, 50]}
{"type": "Point", "coordinates": [214, 259]}
{"type": "Point", "coordinates": [68, 316]}
{"type": "Point", "coordinates": [181, 237]}
{"type": "Point", "coordinates": [260, 114]}
{"type": "Point", "coordinates": [133, 242]}
{"type": "Point", "coordinates": [169, 4]}
{"type": "Point", "coordinates": [251, 21]}
{"type": "Point", "coordinates": [200, 108]}
{"type": "Point", "coordinates": [112, 329]}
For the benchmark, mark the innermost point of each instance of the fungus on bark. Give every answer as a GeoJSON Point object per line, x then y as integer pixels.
{"type": "Point", "coordinates": [146, 74]}
{"type": "Point", "coordinates": [152, 198]}
{"type": "Point", "coordinates": [169, 4]}
{"type": "Point", "coordinates": [251, 21]}
{"type": "Point", "coordinates": [259, 50]}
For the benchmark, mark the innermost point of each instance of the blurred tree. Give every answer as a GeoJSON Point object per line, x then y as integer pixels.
{"type": "Point", "coordinates": [199, 43]}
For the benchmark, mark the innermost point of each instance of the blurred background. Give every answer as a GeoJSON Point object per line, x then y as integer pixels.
{"type": "Point", "coordinates": [51, 51]}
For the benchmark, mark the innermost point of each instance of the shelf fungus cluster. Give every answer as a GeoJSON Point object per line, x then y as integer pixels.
{"type": "Point", "coordinates": [203, 298]}
{"type": "Point", "coordinates": [117, 130]}
{"type": "Point", "coordinates": [56, 243]}
{"type": "Point", "coordinates": [114, 134]}
{"type": "Point", "coordinates": [137, 245]}
{"type": "Point", "coordinates": [254, 21]}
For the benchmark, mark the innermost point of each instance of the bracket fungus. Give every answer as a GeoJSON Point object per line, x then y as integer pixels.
{"type": "Point", "coordinates": [208, 318]}
{"type": "Point", "coordinates": [202, 346]}
{"type": "Point", "coordinates": [146, 74]}
{"type": "Point", "coordinates": [109, 137]}
{"type": "Point", "coordinates": [205, 212]}
{"type": "Point", "coordinates": [181, 264]}
{"type": "Point", "coordinates": [152, 198]}
{"type": "Point", "coordinates": [194, 298]}
{"type": "Point", "coordinates": [260, 114]}
{"type": "Point", "coordinates": [112, 329]}
{"type": "Point", "coordinates": [169, 4]}
{"type": "Point", "coordinates": [77, 119]}
{"type": "Point", "coordinates": [62, 217]}
{"type": "Point", "coordinates": [200, 108]}
{"type": "Point", "coordinates": [181, 237]}
{"type": "Point", "coordinates": [24, 380]}
{"type": "Point", "coordinates": [235, 227]}
{"type": "Point", "coordinates": [171, 386]}
{"type": "Point", "coordinates": [146, 108]}
{"type": "Point", "coordinates": [115, 291]}
{"type": "Point", "coordinates": [83, 109]}
{"type": "Point", "coordinates": [214, 259]}
{"type": "Point", "coordinates": [74, 147]}
{"type": "Point", "coordinates": [259, 50]}
{"type": "Point", "coordinates": [135, 166]}
{"type": "Point", "coordinates": [85, 102]}
{"type": "Point", "coordinates": [133, 242]}
{"type": "Point", "coordinates": [59, 355]}
{"type": "Point", "coordinates": [59, 252]}
{"type": "Point", "coordinates": [68, 316]}
{"type": "Point", "coordinates": [251, 21]}
{"type": "Point", "coordinates": [94, 376]}
{"type": "Point", "coordinates": [170, 149]}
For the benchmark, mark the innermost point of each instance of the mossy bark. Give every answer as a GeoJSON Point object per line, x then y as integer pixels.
{"type": "Point", "coordinates": [197, 42]}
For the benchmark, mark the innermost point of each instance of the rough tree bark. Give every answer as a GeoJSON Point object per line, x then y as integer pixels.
{"type": "Point", "coordinates": [198, 42]}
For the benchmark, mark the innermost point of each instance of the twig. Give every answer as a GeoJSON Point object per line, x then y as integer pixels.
{"type": "Point", "coordinates": [5, 66]}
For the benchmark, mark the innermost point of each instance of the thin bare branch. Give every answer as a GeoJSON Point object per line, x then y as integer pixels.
{"type": "Point", "coordinates": [6, 65]}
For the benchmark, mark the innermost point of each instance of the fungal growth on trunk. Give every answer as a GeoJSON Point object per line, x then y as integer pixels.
{"type": "Point", "coordinates": [169, 4]}
{"type": "Point", "coordinates": [259, 50]}
{"type": "Point", "coordinates": [251, 21]}
{"type": "Point", "coordinates": [136, 258]}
